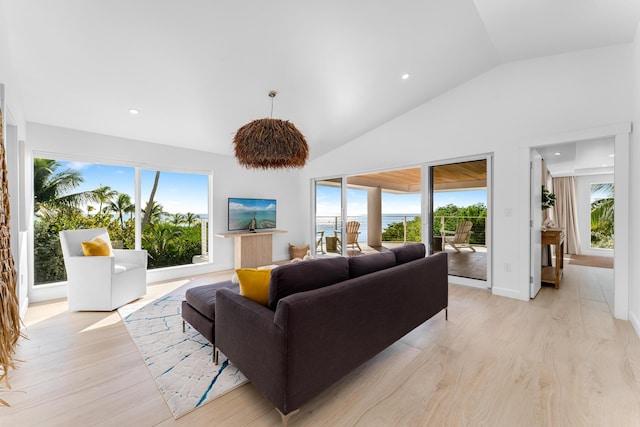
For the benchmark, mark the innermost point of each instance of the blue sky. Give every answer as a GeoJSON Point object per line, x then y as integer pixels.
{"type": "Point", "coordinates": [596, 195]}
{"type": "Point", "coordinates": [177, 192]}
{"type": "Point", "coordinates": [328, 201]}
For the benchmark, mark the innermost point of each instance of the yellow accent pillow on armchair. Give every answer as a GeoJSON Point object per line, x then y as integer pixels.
{"type": "Point", "coordinates": [96, 247]}
{"type": "Point", "coordinates": [254, 284]}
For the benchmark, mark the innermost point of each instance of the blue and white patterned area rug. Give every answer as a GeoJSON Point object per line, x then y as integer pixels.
{"type": "Point", "coordinates": [180, 363]}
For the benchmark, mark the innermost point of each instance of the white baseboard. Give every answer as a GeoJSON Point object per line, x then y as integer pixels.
{"type": "Point", "coordinates": [48, 292]}
{"type": "Point", "coordinates": [597, 252]}
{"type": "Point", "coordinates": [509, 293]}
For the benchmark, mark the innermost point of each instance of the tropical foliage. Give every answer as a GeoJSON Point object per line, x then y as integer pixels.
{"type": "Point", "coordinates": [548, 199]}
{"type": "Point", "coordinates": [170, 239]}
{"type": "Point", "coordinates": [52, 190]}
{"type": "Point", "coordinates": [395, 231]}
{"type": "Point", "coordinates": [602, 216]}
{"type": "Point", "coordinates": [445, 217]}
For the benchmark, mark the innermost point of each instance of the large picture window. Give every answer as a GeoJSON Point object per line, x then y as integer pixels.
{"type": "Point", "coordinates": [174, 218]}
{"type": "Point", "coordinates": [74, 195]}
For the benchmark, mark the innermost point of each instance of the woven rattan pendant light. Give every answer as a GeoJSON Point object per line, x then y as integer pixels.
{"type": "Point", "coordinates": [270, 144]}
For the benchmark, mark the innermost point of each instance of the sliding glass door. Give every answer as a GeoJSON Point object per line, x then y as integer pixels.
{"type": "Point", "coordinates": [446, 205]}
{"type": "Point", "coordinates": [459, 218]}
{"type": "Point", "coordinates": [328, 217]}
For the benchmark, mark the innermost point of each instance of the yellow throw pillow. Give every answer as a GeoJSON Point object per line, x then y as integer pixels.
{"type": "Point", "coordinates": [96, 247]}
{"type": "Point", "coordinates": [254, 284]}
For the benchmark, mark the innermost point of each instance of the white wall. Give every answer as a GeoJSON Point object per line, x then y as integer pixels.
{"type": "Point", "coordinates": [583, 190]}
{"type": "Point", "coordinates": [504, 111]}
{"type": "Point", "coordinates": [634, 199]}
{"type": "Point", "coordinates": [9, 78]}
{"type": "Point", "coordinates": [229, 180]}
{"type": "Point", "coordinates": [13, 116]}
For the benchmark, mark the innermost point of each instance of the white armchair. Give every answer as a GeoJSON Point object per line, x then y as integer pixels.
{"type": "Point", "coordinates": [101, 283]}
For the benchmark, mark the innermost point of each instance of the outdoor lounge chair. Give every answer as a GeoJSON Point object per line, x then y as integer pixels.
{"type": "Point", "coordinates": [319, 243]}
{"type": "Point", "coordinates": [352, 234]}
{"type": "Point", "coordinates": [460, 237]}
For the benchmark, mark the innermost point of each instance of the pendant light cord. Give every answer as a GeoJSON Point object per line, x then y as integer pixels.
{"type": "Point", "coordinates": [272, 95]}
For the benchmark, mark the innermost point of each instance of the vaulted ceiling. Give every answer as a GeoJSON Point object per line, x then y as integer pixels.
{"type": "Point", "coordinates": [197, 70]}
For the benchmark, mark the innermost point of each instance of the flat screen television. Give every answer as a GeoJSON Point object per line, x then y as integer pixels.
{"type": "Point", "coordinates": [251, 214]}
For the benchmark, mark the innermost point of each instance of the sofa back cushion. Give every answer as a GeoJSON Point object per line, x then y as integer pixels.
{"type": "Point", "coordinates": [409, 252]}
{"type": "Point", "coordinates": [305, 276]}
{"type": "Point", "coordinates": [365, 264]}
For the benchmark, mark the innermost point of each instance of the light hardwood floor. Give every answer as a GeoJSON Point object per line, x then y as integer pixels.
{"type": "Point", "coordinates": [559, 360]}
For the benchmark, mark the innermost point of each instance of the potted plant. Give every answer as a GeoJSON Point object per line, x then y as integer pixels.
{"type": "Point", "coordinates": [548, 199]}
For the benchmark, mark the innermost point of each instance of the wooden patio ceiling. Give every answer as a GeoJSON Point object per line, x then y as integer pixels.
{"type": "Point", "coordinates": [455, 176]}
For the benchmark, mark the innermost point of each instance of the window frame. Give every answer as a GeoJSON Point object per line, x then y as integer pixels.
{"type": "Point", "coordinates": [56, 290]}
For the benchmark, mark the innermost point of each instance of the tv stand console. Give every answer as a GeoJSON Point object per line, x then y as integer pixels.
{"type": "Point", "coordinates": [251, 248]}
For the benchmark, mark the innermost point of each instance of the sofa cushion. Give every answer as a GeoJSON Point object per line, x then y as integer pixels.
{"type": "Point", "coordinates": [409, 252]}
{"type": "Point", "coordinates": [365, 264]}
{"type": "Point", "coordinates": [305, 276]}
{"type": "Point", "coordinates": [203, 298]}
{"type": "Point", "coordinates": [254, 284]}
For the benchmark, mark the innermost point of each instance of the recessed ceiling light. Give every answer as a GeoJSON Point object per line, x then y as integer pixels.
{"type": "Point", "coordinates": [612, 155]}
{"type": "Point", "coordinates": [405, 76]}
{"type": "Point", "coordinates": [556, 153]}
{"type": "Point", "coordinates": [133, 111]}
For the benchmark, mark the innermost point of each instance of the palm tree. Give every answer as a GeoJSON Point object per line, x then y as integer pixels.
{"type": "Point", "coordinates": [51, 189]}
{"type": "Point", "coordinates": [120, 206]}
{"type": "Point", "coordinates": [191, 219]}
{"type": "Point", "coordinates": [602, 212]}
{"type": "Point", "coordinates": [147, 216]}
{"type": "Point", "coordinates": [159, 241]}
{"type": "Point", "coordinates": [104, 194]}
{"type": "Point", "coordinates": [177, 219]}
{"type": "Point", "coordinates": [131, 210]}
{"type": "Point", "coordinates": [155, 213]}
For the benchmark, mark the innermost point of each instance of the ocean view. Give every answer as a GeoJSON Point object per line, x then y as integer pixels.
{"type": "Point", "coordinates": [328, 223]}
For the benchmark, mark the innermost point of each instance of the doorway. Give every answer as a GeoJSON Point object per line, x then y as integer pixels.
{"type": "Point", "coordinates": [459, 194]}
{"type": "Point", "coordinates": [620, 135]}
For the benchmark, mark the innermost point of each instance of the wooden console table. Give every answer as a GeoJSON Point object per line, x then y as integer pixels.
{"type": "Point", "coordinates": [251, 249]}
{"type": "Point", "coordinates": [555, 237]}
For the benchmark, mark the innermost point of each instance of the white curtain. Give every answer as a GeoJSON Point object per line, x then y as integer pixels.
{"type": "Point", "coordinates": [565, 212]}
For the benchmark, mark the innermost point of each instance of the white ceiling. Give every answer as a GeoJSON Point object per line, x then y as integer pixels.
{"type": "Point", "coordinates": [198, 70]}
{"type": "Point", "coordinates": [592, 157]}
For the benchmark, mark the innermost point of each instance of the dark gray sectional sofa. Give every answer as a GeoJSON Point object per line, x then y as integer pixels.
{"type": "Point", "coordinates": [326, 317]}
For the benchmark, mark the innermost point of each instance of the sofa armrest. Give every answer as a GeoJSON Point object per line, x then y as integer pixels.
{"type": "Point", "coordinates": [246, 334]}
{"type": "Point", "coordinates": [89, 282]}
{"type": "Point", "coordinates": [85, 267]}
{"type": "Point", "coordinates": [131, 256]}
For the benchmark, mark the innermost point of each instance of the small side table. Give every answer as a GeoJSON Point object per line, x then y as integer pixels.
{"type": "Point", "coordinates": [553, 274]}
